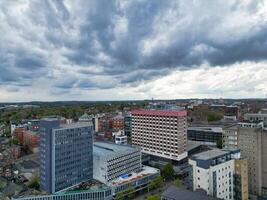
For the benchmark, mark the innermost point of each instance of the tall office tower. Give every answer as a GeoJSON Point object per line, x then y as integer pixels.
{"type": "Point", "coordinates": [66, 154]}
{"type": "Point", "coordinates": [213, 171]}
{"type": "Point", "coordinates": [241, 179]}
{"type": "Point", "coordinates": [160, 133]}
{"type": "Point", "coordinates": [252, 141]}
{"type": "Point", "coordinates": [230, 136]}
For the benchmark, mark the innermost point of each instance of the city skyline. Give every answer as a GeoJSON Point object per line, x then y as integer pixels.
{"type": "Point", "coordinates": [132, 50]}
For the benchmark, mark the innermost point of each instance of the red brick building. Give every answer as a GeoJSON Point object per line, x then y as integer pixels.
{"type": "Point", "coordinates": [18, 134]}
{"type": "Point", "coordinates": [118, 122]}
{"type": "Point", "coordinates": [31, 139]}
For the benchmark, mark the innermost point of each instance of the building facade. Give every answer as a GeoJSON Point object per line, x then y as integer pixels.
{"type": "Point", "coordinates": [112, 161]}
{"type": "Point", "coordinates": [160, 133]}
{"type": "Point", "coordinates": [118, 122]}
{"type": "Point", "coordinates": [252, 141]}
{"type": "Point", "coordinates": [206, 135]}
{"type": "Point", "coordinates": [230, 137]}
{"type": "Point", "coordinates": [213, 171]}
{"type": "Point", "coordinates": [66, 155]}
{"type": "Point", "coordinates": [103, 194]}
{"type": "Point", "coordinates": [241, 180]}
{"type": "Point", "coordinates": [128, 124]}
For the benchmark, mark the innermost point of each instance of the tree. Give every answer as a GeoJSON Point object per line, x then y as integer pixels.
{"type": "Point", "coordinates": [153, 197]}
{"type": "Point", "coordinates": [168, 171]}
{"type": "Point", "coordinates": [13, 142]}
{"type": "Point", "coordinates": [155, 183]}
{"type": "Point", "coordinates": [178, 182]}
{"type": "Point", "coordinates": [219, 144]}
{"type": "Point", "coordinates": [34, 182]}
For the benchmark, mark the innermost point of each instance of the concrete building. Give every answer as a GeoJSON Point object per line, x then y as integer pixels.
{"type": "Point", "coordinates": [213, 171]}
{"type": "Point", "coordinates": [252, 117]}
{"type": "Point", "coordinates": [160, 133]}
{"type": "Point", "coordinates": [121, 139]}
{"type": "Point", "coordinates": [207, 135]}
{"type": "Point", "coordinates": [230, 137]}
{"type": "Point", "coordinates": [241, 180]}
{"type": "Point", "coordinates": [112, 161]}
{"type": "Point", "coordinates": [65, 154]}
{"type": "Point", "coordinates": [252, 141]}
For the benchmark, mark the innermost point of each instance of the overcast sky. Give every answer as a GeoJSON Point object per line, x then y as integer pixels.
{"type": "Point", "coordinates": [139, 49]}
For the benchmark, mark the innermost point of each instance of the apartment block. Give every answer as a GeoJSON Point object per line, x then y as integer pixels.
{"type": "Point", "coordinates": [250, 145]}
{"type": "Point", "coordinates": [213, 171]}
{"type": "Point", "coordinates": [66, 155]}
{"type": "Point", "coordinates": [160, 133]}
{"type": "Point", "coordinates": [112, 161]}
{"type": "Point", "coordinates": [118, 122]}
{"type": "Point", "coordinates": [230, 136]}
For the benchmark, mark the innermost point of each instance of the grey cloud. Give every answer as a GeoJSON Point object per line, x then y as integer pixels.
{"type": "Point", "coordinates": [131, 41]}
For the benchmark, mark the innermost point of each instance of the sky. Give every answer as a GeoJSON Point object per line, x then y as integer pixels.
{"type": "Point", "coordinates": [135, 49]}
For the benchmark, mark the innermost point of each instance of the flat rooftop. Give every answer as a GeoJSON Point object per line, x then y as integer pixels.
{"type": "Point", "coordinates": [76, 125]}
{"type": "Point", "coordinates": [176, 193]}
{"type": "Point", "coordinates": [107, 149]}
{"type": "Point", "coordinates": [146, 171]}
{"type": "Point", "coordinates": [207, 128]}
{"type": "Point", "coordinates": [164, 113]}
{"type": "Point", "coordinates": [211, 154]}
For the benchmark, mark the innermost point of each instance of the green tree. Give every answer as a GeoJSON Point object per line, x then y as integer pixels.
{"type": "Point", "coordinates": [168, 171]}
{"type": "Point", "coordinates": [153, 197]}
{"type": "Point", "coordinates": [13, 141]}
{"type": "Point", "coordinates": [155, 183]}
{"type": "Point", "coordinates": [219, 144]}
{"type": "Point", "coordinates": [178, 182]}
{"type": "Point", "coordinates": [34, 182]}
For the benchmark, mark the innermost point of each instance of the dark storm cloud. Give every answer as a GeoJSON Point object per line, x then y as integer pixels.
{"type": "Point", "coordinates": [125, 41]}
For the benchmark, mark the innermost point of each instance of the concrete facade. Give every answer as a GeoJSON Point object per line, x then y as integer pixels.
{"type": "Point", "coordinates": [249, 142]}
{"type": "Point", "coordinates": [230, 137]}
{"type": "Point", "coordinates": [160, 133]}
{"type": "Point", "coordinates": [112, 161]}
{"type": "Point", "coordinates": [213, 171]}
{"type": "Point", "coordinates": [241, 180]}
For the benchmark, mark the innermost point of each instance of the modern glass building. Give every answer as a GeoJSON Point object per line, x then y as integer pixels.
{"type": "Point", "coordinates": [66, 156]}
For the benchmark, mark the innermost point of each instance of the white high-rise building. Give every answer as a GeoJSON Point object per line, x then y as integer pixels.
{"type": "Point", "coordinates": [213, 171]}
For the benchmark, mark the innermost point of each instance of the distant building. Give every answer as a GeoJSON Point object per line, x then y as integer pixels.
{"type": "Point", "coordinates": [206, 135]}
{"type": "Point", "coordinates": [252, 117]}
{"type": "Point", "coordinates": [128, 124]}
{"type": "Point", "coordinates": [118, 122]}
{"type": "Point", "coordinates": [16, 151]}
{"type": "Point", "coordinates": [18, 134]}
{"type": "Point", "coordinates": [121, 139]}
{"type": "Point", "coordinates": [86, 118]}
{"type": "Point", "coordinates": [160, 133]}
{"type": "Point", "coordinates": [31, 140]}
{"type": "Point", "coordinates": [230, 136]}
{"type": "Point", "coordinates": [112, 161]}
{"type": "Point", "coordinates": [65, 154]}
{"type": "Point", "coordinates": [213, 171]}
